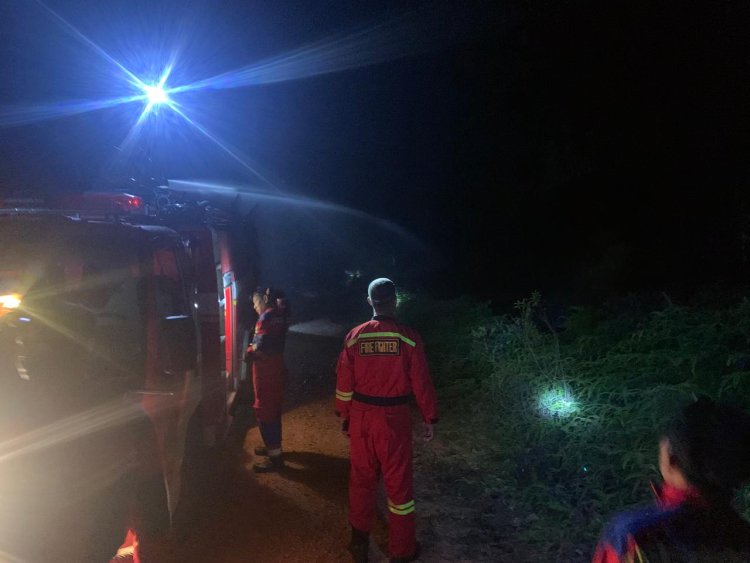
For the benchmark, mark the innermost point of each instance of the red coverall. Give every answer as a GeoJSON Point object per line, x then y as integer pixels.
{"type": "Point", "coordinates": [269, 370]}
{"type": "Point", "coordinates": [381, 365]}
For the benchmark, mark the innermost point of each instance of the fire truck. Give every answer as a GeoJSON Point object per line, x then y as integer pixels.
{"type": "Point", "coordinates": [121, 345]}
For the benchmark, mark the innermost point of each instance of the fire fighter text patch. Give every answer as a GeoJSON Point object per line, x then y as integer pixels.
{"type": "Point", "coordinates": [380, 347]}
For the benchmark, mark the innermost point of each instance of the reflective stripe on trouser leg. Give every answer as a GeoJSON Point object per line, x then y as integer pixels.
{"type": "Point", "coordinates": [395, 454]}
{"type": "Point", "coordinates": [402, 537]}
{"type": "Point", "coordinates": [363, 478]}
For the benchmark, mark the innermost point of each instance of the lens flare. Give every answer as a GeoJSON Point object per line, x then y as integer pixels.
{"type": "Point", "coordinates": [156, 94]}
{"type": "Point", "coordinates": [10, 301]}
{"type": "Point", "coordinates": [409, 34]}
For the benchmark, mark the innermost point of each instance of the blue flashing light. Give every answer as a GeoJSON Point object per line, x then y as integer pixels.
{"type": "Point", "coordinates": [156, 94]}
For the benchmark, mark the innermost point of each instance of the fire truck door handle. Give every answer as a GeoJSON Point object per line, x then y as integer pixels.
{"type": "Point", "coordinates": [153, 393]}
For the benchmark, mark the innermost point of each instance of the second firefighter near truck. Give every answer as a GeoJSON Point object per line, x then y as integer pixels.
{"type": "Point", "coordinates": [381, 367]}
{"type": "Point", "coordinates": [266, 353]}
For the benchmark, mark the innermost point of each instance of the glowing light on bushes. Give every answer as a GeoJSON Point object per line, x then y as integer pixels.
{"type": "Point", "coordinates": [557, 402]}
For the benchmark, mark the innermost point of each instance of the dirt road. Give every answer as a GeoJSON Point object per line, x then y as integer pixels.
{"type": "Point", "coordinates": [300, 515]}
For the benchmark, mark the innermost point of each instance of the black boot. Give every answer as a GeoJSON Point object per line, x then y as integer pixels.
{"type": "Point", "coordinates": [409, 558]}
{"type": "Point", "coordinates": [272, 464]}
{"type": "Point", "coordinates": [359, 547]}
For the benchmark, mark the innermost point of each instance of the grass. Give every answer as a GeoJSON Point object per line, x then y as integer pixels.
{"type": "Point", "coordinates": [612, 377]}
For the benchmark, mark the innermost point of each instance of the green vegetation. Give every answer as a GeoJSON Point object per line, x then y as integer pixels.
{"type": "Point", "coordinates": [562, 423]}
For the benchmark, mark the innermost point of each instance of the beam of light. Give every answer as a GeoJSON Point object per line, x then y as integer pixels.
{"type": "Point", "coordinates": [12, 116]}
{"type": "Point", "coordinates": [96, 281]}
{"type": "Point", "coordinates": [399, 37]}
{"type": "Point", "coordinates": [108, 415]}
{"type": "Point", "coordinates": [320, 327]}
{"type": "Point", "coordinates": [132, 135]}
{"type": "Point", "coordinates": [165, 76]}
{"type": "Point", "coordinates": [107, 279]}
{"type": "Point", "coordinates": [404, 36]}
{"type": "Point", "coordinates": [70, 335]}
{"type": "Point", "coordinates": [220, 144]}
{"type": "Point", "coordinates": [132, 78]}
{"type": "Point", "coordinates": [9, 557]}
{"type": "Point", "coordinates": [307, 205]}
{"type": "Point", "coordinates": [22, 115]}
{"type": "Point", "coordinates": [297, 201]}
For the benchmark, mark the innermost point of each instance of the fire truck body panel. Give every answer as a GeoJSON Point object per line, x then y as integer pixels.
{"type": "Point", "coordinates": [216, 301]}
{"type": "Point", "coordinates": [103, 361]}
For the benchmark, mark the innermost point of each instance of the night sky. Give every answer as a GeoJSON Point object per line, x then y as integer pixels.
{"type": "Point", "coordinates": [576, 148]}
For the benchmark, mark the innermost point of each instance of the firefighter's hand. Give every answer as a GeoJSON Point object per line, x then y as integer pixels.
{"type": "Point", "coordinates": [345, 427]}
{"type": "Point", "coordinates": [429, 432]}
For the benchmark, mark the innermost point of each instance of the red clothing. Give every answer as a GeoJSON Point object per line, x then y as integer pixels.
{"type": "Point", "coordinates": [383, 358]}
{"type": "Point", "coordinates": [380, 366]}
{"type": "Point", "coordinates": [269, 377]}
{"type": "Point", "coordinates": [269, 371]}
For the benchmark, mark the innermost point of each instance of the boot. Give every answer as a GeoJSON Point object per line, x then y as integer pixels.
{"type": "Point", "coordinates": [359, 547]}
{"type": "Point", "coordinates": [261, 451]}
{"type": "Point", "coordinates": [409, 558]}
{"type": "Point", "coordinates": [270, 465]}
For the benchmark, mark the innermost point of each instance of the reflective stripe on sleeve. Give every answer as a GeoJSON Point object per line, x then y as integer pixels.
{"type": "Point", "coordinates": [402, 509]}
{"type": "Point", "coordinates": [401, 337]}
{"type": "Point", "coordinates": [344, 396]}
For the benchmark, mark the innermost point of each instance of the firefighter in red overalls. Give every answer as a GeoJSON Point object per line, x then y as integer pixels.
{"type": "Point", "coordinates": [381, 366]}
{"type": "Point", "coordinates": [266, 352]}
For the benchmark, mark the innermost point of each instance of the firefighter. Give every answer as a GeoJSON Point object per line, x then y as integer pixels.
{"type": "Point", "coordinates": [266, 352]}
{"type": "Point", "coordinates": [381, 366]}
{"type": "Point", "coordinates": [704, 457]}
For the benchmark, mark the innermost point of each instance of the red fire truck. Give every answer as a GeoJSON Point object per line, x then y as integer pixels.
{"type": "Point", "coordinates": [119, 345]}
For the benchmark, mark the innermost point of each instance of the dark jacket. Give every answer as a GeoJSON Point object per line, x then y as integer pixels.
{"type": "Point", "coordinates": [682, 528]}
{"type": "Point", "coordinates": [270, 334]}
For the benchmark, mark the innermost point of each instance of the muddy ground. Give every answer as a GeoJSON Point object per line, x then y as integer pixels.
{"type": "Point", "coordinates": [300, 515]}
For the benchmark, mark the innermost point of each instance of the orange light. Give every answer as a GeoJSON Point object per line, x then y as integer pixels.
{"type": "Point", "coordinates": [10, 301]}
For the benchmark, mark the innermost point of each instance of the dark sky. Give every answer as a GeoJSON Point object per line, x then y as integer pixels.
{"type": "Point", "coordinates": [576, 147]}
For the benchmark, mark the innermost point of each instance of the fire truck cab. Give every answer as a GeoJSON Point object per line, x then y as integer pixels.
{"type": "Point", "coordinates": [118, 339]}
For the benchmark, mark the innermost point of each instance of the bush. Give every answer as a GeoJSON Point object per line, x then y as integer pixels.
{"type": "Point", "coordinates": [447, 328]}
{"type": "Point", "coordinates": [565, 423]}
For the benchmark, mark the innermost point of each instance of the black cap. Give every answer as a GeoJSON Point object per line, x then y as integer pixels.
{"type": "Point", "coordinates": [381, 290]}
{"type": "Point", "coordinates": [711, 443]}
